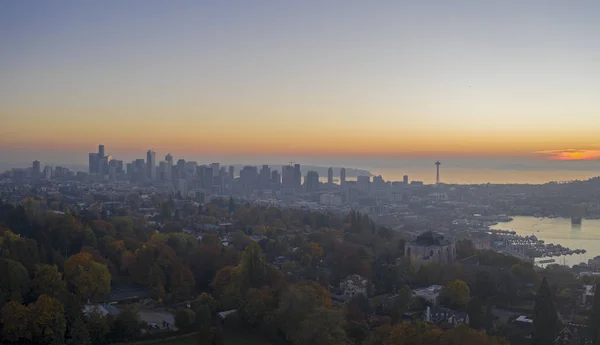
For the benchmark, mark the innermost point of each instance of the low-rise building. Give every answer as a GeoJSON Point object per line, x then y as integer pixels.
{"type": "Point", "coordinates": [430, 294]}
{"type": "Point", "coordinates": [353, 285]}
{"type": "Point", "coordinates": [445, 316]}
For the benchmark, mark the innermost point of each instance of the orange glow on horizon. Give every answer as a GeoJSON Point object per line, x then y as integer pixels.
{"type": "Point", "coordinates": [571, 155]}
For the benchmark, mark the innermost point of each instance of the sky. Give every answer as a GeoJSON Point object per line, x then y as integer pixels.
{"type": "Point", "coordinates": [353, 79]}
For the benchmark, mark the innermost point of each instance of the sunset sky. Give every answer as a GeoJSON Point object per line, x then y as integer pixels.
{"type": "Point", "coordinates": [301, 78]}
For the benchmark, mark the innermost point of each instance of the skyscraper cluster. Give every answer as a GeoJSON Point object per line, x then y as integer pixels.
{"type": "Point", "coordinates": [183, 176]}
{"type": "Point", "coordinates": [101, 164]}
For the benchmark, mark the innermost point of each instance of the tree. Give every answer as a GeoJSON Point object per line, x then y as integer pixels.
{"type": "Point", "coordinates": [181, 282]}
{"type": "Point", "coordinates": [15, 322]}
{"type": "Point", "coordinates": [253, 267]}
{"type": "Point", "coordinates": [594, 320]}
{"type": "Point", "coordinates": [357, 331]}
{"type": "Point", "coordinates": [545, 320]}
{"type": "Point", "coordinates": [184, 318]}
{"type": "Point", "coordinates": [78, 333]}
{"type": "Point", "coordinates": [48, 319]}
{"type": "Point", "coordinates": [86, 277]}
{"type": "Point", "coordinates": [401, 303]}
{"type": "Point", "coordinates": [227, 287]}
{"type": "Point", "coordinates": [126, 326]}
{"type": "Point", "coordinates": [14, 283]}
{"type": "Point", "coordinates": [322, 327]}
{"type": "Point", "coordinates": [358, 308]}
{"type": "Point", "coordinates": [231, 206]}
{"type": "Point", "coordinates": [465, 335]}
{"type": "Point", "coordinates": [455, 294]}
{"type": "Point", "coordinates": [48, 281]}
{"type": "Point", "coordinates": [98, 327]}
{"type": "Point", "coordinates": [414, 333]}
{"type": "Point", "coordinates": [476, 315]}
{"type": "Point", "coordinates": [257, 305]}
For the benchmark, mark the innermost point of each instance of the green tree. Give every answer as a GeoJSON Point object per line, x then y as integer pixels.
{"type": "Point", "coordinates": [227, 287]}
{"type": "Point", "coordinates": [401, 303]}
{"type": "Point", "coordinates": [16, 321]}
{"type": "Point", "coordinates": [78, 333]}
{"type": "Point", "coordinates": [322, 327]}
{"type": "Point", "coordinates": [98, 327]}
{"type": "Point", "coordinates": [48, 320]}
{"type": "Point", "coordinates": [14, 281]}
{"type": "Point", "coordinates": [184, 318]}
{"type": "Point", "coordinates": [594, 320]}
{"type": "Point", "coordinates": [476, 314]}
{"type": "Point", "coordinates": [181, 282]}
{"type": "Point", "coordinates": [357, 331]}
{"type": "Point", "coordinates": [253, 267]}
{"type": "Point", "coordinates": [48, 281]}
{"type": "Point", "coordinates": [455, 294]}
{"type": "Point", "coordinates": [127, 325]}
{"type": "Point", "coordinates": [257, 305]}
{"type": "Point", "coordinates": [231, 207]}
{"type": "Point", "coordinates": [545, 320]}
{"type": "Point", "coordinates": [86, 277]}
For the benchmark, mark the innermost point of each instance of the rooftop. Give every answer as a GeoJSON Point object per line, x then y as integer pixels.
{"type": "Point", "coordinates": [431, 238]}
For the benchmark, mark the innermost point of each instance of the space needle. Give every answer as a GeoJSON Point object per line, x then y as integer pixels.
{"type": "Point", "coordinates": [437, 175]}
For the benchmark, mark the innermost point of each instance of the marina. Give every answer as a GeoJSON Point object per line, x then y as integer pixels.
{"type": "Point", "coordinates": [550, 239]}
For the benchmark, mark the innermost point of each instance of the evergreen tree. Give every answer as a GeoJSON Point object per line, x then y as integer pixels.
{"type": "Point", "coordinates": [594, 320]}
{"type": "Point", "coordinates": [476, 314]}
{"type": "Point", "coordinates": [231, 205]}
{"type": "Point", "coordinates": [545, 320]}
{"type": "Point", "coordinates": [78, 333]}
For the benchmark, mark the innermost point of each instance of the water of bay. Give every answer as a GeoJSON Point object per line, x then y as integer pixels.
{"type": "Point", "coordinates": [560, 231]}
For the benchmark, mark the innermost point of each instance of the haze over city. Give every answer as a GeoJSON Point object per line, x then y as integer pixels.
{"type": "Point", "coordinates": [299, 172]}
{"type": "Point", "coordinates": [273, 82]}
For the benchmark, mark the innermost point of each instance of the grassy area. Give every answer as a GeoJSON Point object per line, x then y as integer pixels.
{"type": "Point", "coordinates": [231, 338]}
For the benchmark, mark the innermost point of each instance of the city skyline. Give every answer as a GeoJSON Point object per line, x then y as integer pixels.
{"type": "Point", "coordinates": [398, 80]}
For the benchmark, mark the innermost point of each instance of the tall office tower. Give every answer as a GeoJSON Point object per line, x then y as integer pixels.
{"type": "Point", "coordinates": [249, 175]}
{"type": "Point", "coordinates": [215, 169]}
{"type": "Point", "coordinates": [405, 179]}
{"type": "Point", "coordinates": [288, 179]}
{"type": "Point", "coordinates": [169, 160]}
{"type": "Point", "coordinates": [36, 170]}
{"type": "Point", "coordinates": [140, 169]}
{"type": "Point", "coordinates": [191, 167]}
{"type": "Point", "coordinates": [162, 170]}
{"type": "Point", "coordinates": [48, 172]}
{"type": "Point", "coordinates": [265, 176]}
{"type": "Point", "coordinates": [118, 165]}
{"type": "Point", "coordinates": [101, 151]}
{"type": "Point", "coordinates": [311, 181]}
{"type": "Point", "coordinates": [297, 177]}
{"type": "Point", "coordinates": [363, 183]}
{"type": "Point", "coordinates": [231, 172]}
{"type": "Point", "coordinates": [94, 163]}
{"type": "Point", "coordinates": [104, 164]}
{"type": "Point", "coordinates": [181, 168]}
{"type": "Point", "coordinates": [151, 165]}
{"type": "Point", "coordinates": [130, 169]}
{"type": "Point", "coordinates": [342, 176]}
{"type": "Point", "coordinates": [206, 176]}
{"type": "Point", "coordinates": [330, 176]}
{"type": "Point", "coordinates": [182, 188]}
{"type": "Point", "coordinates": [275, 177]}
